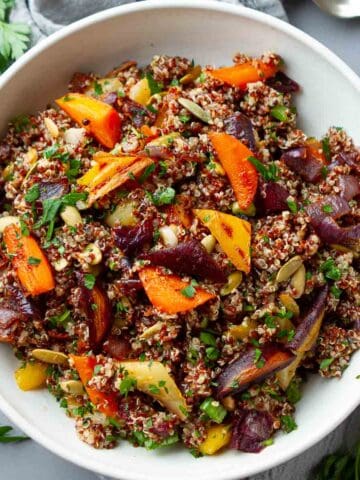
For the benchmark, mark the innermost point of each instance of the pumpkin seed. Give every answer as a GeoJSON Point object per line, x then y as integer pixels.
{"type": "Point", "coordinates": [164, 140]}
{"type": "Point", "coordinates": [168, 236]}
{"type": "Point", "coordinates": [234, 280]}
{"type": "Point", "coordinates": [289, 303]}
{"type": "Point", "coordinates": [288, 269]}
{"type": "Point", "coordinates": [122, 215]}
{"type": "Point", "coordinates": [91, 254]}
{"type": "Point", "coordinates": [196, 110]}
{"type": "Point", "coordinates": [60, 265]}
{"type": "Point", "coordinates": [74, 387]}
{"type": "Point", "coordinates": [298, 281]}
{"type": "Point", "coordinates": [71, 216]}
{"type": "Point", "coordinates": [191, 75]}
{"type": "Point", "coordinates": [151, 331]}
{"type": "Point", "coordinates": [50, 356]}
{"type": "Point", "coordinates": [240, 332]}
{"type": "Point", "coordinates": [209, 243]}
{"type": "Point", "coordinates": [343, 249]}
{"type": "Point", "coordinates": [51, 127]}
{"type": "Point", "coordinates": [8, 220]}
{"type": "Point", "coordinates": [250, 211]}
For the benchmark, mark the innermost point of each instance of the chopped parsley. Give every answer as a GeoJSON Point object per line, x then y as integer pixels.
{"type": "Point", "coordinates": [24, 228]}
{"type": "Point", "coordinates": [154, 389]}
{"type": "Point", "coordinates": [293, 393]}
{"type": "Point", "coordinates": [163, 196]}
{"type": "Point", "coordinates": [324, 364]}
{"type": "Point", "coordinates": [33, 193]}
{"type": "Point", "coordinates": [288, 424]}
{"type": "Point", "coordinates": [188, 292]}
{"type": "Point", "coordinates": [326, 148]}
{"type": "Point", "coordinates": [147, 172]}
{"type": "Point", "coordinates": [280, 112]}
{"type": "Point", "coordinates": [184, 118]}
{"type": "Point", "coordinates": [154, 86]}
{"type": "Point", "coordinates": [327, 209]}
{"type": "Point", "coordinates": [60, 320]}
{"type": "Point", "coordinates": [293, 207]}
{"type": "Point", "coordinates": [330, 270]}
{"type": "Point", "coordinates": [258, 360]}
{"type": "Point", "coordinates": [208, 338]}
{"type": "Point", "coordinates": [98, 88]}
{"type": "Point", "coordinates": [127, 384]}
{"type": "Point", "coordinates": [73, 169]}
{"type": "Point", "coordinates": [89, 280]}
{"type": "Point", "coordinates": [336, 291]}
{"type": "Point", "coordinates": [213, 409]}
{"type": "Point", "coordinates": [269, 173]}
{"type": "Point", "coordinates": [34, 261]}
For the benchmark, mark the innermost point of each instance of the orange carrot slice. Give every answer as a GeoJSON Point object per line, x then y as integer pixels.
{"type": "Point", "coordinates": [233, 156]}
{"type": "Point", "coordinates": [29, 261]}
{"type": "Point", "coordinates": [242, 74]}
{"type": "Point", "coordinates": [171, 294]}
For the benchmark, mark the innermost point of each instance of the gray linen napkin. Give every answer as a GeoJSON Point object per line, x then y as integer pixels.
{"type": "Point", "coordinates": [46, 16]}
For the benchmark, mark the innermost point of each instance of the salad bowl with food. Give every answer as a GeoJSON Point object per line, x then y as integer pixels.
{"type": "Point", "coordinates": [180, 242]}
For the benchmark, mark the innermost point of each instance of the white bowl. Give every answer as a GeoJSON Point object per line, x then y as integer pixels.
{"type": "Point", "coordinates": [210, 32]}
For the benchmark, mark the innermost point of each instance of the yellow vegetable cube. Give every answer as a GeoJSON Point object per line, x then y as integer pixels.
{"type": "Point", "coordinates": [217, 437]}
{"type": "Point", "coordinates": [31, 376]}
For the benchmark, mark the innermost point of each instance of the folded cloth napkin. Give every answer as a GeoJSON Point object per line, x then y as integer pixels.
{"type": "Point", "coordinates": [46, 16]}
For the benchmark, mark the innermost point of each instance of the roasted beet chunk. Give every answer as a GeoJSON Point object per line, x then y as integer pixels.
{"type": "Point", "coordinates": [250, 430]}
{"type": "Point", "coordinates": [240, 126]}
{"type": "Point", "coordinates": [80, 82]}
{"type": "Point", "coordinates": [138, 114]}
{"type": "Point", "coordinates": [301, 161]}
{"type": "Point", "coordinates": [133, 239]}
{"type": "Point", "coordinates": [282, 83]}
{"type": "Point", "coordinates": [117, 347]}
{"type": "Point", "coordinates": [271, 198]}
{"type": "Point", "coordinates": [188, 258]}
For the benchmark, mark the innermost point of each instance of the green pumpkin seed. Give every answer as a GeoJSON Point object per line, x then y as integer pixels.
{"type": "Point", "coordinates": [50, 356]}
{"type": "Point", "coordinates": [196, 110]}
{"type": "Point", "coordinates": [288, 269]}
{"type": "Point", "coordinates": [74, 387]}
{"type": "Point", "coordinates": [191, 75]}
{"type": "Point", "coordinates": [298, 281]}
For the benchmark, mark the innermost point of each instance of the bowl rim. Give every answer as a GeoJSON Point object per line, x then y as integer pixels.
{"type": "Point", "coordinates": [119, 11]}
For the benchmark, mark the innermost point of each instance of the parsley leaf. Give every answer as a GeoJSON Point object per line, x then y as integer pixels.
{"type": "Point", "coordinates": [326, 363]}
{"type": "Point", "coordinates": [163, 196]}
{"type": "Point", "coordinates": [288, 424]}
{"type": "Point", "coordinates": [188, 292]}
{"type": "Point", "coordinates": [33, 193]}
{"type": "Point", "coordinates": [154, 86]}
{"type": "Point", "coordinates": [4, 430]}
{"type": "Point", "coordinates": [89, 281]}
{"type": "Point", "coordinates": [34, 261]}
{"type": "Point", "coordinates": [269, 173]}
{"type": "Point", "coordinates": [147, 172]}
{"type": "Point", "coordinates": [127, 385]}
{"type": "Point", "coordinates": [14, 36]}
{"type": "Point", "coordinates": [326, 148]}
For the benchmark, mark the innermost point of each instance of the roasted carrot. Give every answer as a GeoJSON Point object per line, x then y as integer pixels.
{"type": "Point", "coordinates": [98, 118]}
{"type": "Point", "coordinates": [105, 402]}
{"type": "Point", "coordinates": [232, 233]}
{"type": "Point", "coordinates": [105, 176]}
{"type": "Point", "coordinates": [242, 74]}
{"type": "Point", "coordinates": [29, 261]}
{"type": "Point", "coordinates": [171, 294]}
{"type": "Point", "coordinates": [233, 156]}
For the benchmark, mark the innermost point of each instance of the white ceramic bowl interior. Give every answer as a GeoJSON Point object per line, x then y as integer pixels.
{"type": "Point", "coordinates": [210, 33]}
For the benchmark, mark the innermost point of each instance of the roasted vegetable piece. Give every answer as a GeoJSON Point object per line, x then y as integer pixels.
{"type": "Point", "coordinates": [154, 379]}
{"type": "Point", "coordinates": [29, 261]}
{"type": "Point", "coordinates": [242, 74]}
{"type": "Point", "coordinates": [252, 367]}
{"type": "Point", "coordinates": [98, 118]}
{"type": "Point", "coordinates": [217, 437]}
{"type": "Point", "coordinates": [306, 335]}
{"type": "Point", "coordinates": [233, 234]}
{"type": "Point", "coordinates": [239, 126]}
{"type": "Point", "coordinates": [100, 315]}
{"type": "Point", "coordinates": [282, 83]}
{"type": "Point", "coordinates": [105, 402]}
{"type": "Point", "coordinates": [303, 161]}
{"type": "Point", "coordinates": [251, 429]}
{"type": "Point", "coordinates": [271, 198]}
{"type": "Point", "coordinates": [171, 294]}
{"type": "Point", "coordinates": [188, 258]}
{"type": "Point", "coordinates": [102, 179]}
{"type": "Point", "coordinates": [31, 376]}
{"type": "Point", "coordinates": [53, 189]}
{"type": "Point", "coordinates": [242, 174]}
{"type": "Point", "coordinates": [133, 239]}
{"type": "Point", "coordinates": [117, 347]}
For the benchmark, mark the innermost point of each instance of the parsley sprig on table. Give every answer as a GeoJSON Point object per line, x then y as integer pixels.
{"type": "Point", "coordinates": [14, 37]}
{"type": "Point", "coordinates": [6, 438]}
{"type": "Point", "coordinates": [339, 466]}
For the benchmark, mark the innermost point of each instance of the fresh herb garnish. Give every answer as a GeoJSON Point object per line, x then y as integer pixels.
{"type": "Point", "coordinates": [98, 88]}
{"type": "Point", "coordinates": [269, 173]}
{"type": "Point", "coordinates": [330, 270]}
{"type": "Point", "coordinates": [34, 261]}
{"type": "Point", "coordinates": [335, 291]}
{"type": "Point", "coordinates": [288, 424]}
{"type": "Point", "coordinates": [60, 320]}
{"type": "Point", "coordinates": [154, 86]}
{"type": "Point", "coordinates": [127, 385]}
{"type": "Point", "coordinates": [327, 209]}
{"type": "Point", "coordinates": [14, 36]}
{"type": "Point", "coordinates": [326, 148]}
{"type": "Point", "coordinates": [258, 360]}
{"type": "Point", "coordinates": [293, 393]}
{"type": "Point", "coordinates": [163, 196]}
{"type": "Point", "coordinates": [208, 338]}
{"type": "Point", "coordinates": [73, 169]}
{"type": "Point", "coordinates": [324, 364]}
{"type": "Point", "coordinates": [89, 281]}
{"type": "Point", "coordinates": [292, 206]}
{"type": "Point", "coordinates": [147, 172]}
{"type": "Point", "coordinates": [33, 193]}
{"type": "Point", "coordinates": [5, 430]}
{"type": "Point", "coordinates": [213, 409]}
{"type": "Point", "coordinates": [280, 113]}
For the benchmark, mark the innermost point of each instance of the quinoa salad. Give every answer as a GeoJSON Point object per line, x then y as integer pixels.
{"type": "Point", "coordinates": [177, 255]}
